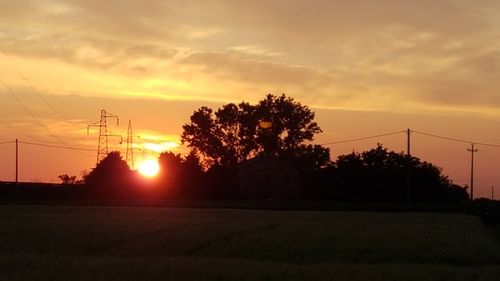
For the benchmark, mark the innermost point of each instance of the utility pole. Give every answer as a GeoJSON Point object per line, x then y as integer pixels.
{"type": "Point", "coordinates": [102, 144]}
{"type": "Point", "coordinates": [492, 192]}
{"type": "Point", "coordinates": [17, 161]}
{"type": "Point", "coordinates": [408, 169]}
{"type": "Point", "coordinates": [408, 142]}
{"type": "Point", "coordinates": [129, 156]}
{"type": "Point", "coordinates": [472, 151]}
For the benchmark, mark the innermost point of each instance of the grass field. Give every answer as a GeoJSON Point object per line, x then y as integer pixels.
{"type": "Point", "coordinates": [116, 243]}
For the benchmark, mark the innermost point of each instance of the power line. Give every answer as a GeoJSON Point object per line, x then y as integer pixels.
{"type": "Point", "coordinates": [365, 138]}
{"type": "Point", "coordinates": [39, 144]}
{"type": "Point", "coordinates": [6, 142]}
{"type": "Point", "coordinates": [457, 139]}
{"type": "Point", "coordinates": [58, 146]}
{"type": "Point", "coordinates": [488, 144]}
{"type": "Point", "coordinates": [31, 113]}
{"type": "Point", "coordinates": [35, 89]}
{"type": "Point", "coordinates": [418, 132]}
{"type": "Point", "coordinates": [37, 92]}
{"type": "Point", "coordinates": [16, 130]}
{"type": "Point", "coordinates": [443, 137]}
{"type": "Point", "coordinates": [20, 102]}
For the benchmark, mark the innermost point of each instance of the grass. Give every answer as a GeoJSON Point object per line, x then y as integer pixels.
{"type": "Point", "coordinates": [117, 243]}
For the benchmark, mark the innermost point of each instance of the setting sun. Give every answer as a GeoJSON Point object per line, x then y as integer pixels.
{"type": "Point", "coordinates": [149, 168]}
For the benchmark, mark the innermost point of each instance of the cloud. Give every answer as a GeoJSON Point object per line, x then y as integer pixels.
{"type": "Point", "coordinates": [255, 50]}
{"type": "Point", "coordinates": [237, 67]}
{"type": "Point", "coordinates": [384, 54]}
{"type": "Point", "coordinates": [158, 147]}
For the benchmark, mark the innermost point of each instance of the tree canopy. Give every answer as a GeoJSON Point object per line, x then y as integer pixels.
{"type": "Point", "coordinates": [181, 177]}
{"type": "Point", "coordinates": [382, 175]}
{"type": "Point", "coordinates": [112, 174]}
{"type": "Point", "coordinates": [276, 125]}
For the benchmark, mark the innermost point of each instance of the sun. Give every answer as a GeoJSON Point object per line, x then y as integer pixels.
{"type": "Point", "coordinates": [149, 168]}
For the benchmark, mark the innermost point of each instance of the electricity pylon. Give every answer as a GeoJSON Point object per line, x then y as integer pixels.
{"type": "Point", "coordinates": [129, 156]}
{"type": "Point", "coordinates": [102, 144]}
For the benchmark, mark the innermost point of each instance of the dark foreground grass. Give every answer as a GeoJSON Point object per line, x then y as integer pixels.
{"type": "Point", "coordinates": [98, 243]}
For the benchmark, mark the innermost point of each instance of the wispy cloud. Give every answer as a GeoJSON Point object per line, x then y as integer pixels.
{"type": "Point", "coordinates": [376, 55]}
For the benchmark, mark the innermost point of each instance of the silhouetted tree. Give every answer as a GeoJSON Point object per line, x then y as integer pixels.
{"type": "Point", "coordinates": [193, 175]}
{"type": "Point", "coordinates": [235, 133]}
{"type": "Point", "coordinates": [67, 179]}
{"type": "Point", "coordinates": [111, 177]}
{"type": "Point", "coordinates": [170, 175]}
{"type": "Point", "coordinates": [309, 157]}
{"type": "Point", "coordinates": [380, 175]}
{"type": "Point", "coordinates": [180, 177]}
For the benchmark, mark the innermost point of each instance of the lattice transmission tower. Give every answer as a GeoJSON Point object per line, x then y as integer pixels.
{"type": "Point", "coordinates": [129, 156]}
{"type": "Point", "coordinates": [102, 144]}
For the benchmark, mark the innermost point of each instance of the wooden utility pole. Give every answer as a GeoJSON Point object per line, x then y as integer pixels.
{"type": "Point", "coordinates": [17, 161]}
{"type": "Point", "coordinates": [472, 151]}
{"type": "Point", "coordinates": [408, 142]}
{"type": "Point", "coordinates": [408, 170]}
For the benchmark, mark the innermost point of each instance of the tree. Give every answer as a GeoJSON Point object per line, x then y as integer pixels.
{"type": "Point", "coordinates": [67, 179]}
{"type": "Point", "coordinates": [111, 176]}
{"type": "Point", "coordinates": [170, 175]}
{"type": "Point", "coordinates": [180, 176]}
{"type": "Point", "coordinates": [232, 134]}
{"type": "Point", "coordinates": [380, 175]}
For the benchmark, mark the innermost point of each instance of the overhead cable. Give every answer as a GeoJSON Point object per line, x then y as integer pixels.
{"type": "Point", "coordinates": [6, 142]}
{"type": "Point", "coordinates": [456, 139]}
{"type": "Point", "coordinates": [364, 138]}
{"type": "Point", "coordinates": [58, 146]}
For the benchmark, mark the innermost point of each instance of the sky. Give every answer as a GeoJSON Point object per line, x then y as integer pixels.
{"type": "Point", "coordinates": [365, 67]}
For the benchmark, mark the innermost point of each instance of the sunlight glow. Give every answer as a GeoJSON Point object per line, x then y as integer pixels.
{"type": "Point", "coordinates": [160, 147]}
{"type": "Point", "coordinates": [149, 168]}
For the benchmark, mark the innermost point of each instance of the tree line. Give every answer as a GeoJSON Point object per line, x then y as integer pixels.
{"type": "Point", "coordinates": [222, 140]}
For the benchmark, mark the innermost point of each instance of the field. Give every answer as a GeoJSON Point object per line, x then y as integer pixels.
{"type": "Point", "coordinates": [117, 243]}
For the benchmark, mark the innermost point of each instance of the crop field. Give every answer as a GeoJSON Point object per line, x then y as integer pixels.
{"type": "Point", "coordinates": [118, 243]}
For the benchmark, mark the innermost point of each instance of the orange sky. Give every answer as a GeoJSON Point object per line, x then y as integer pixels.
{"type": "Point", "coordinates": [366, 67]}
